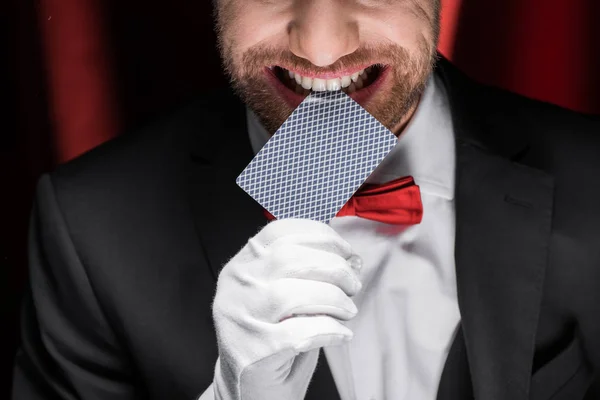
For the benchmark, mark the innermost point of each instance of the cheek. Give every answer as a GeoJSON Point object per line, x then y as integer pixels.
{"type": "Point", "coordinates": [251, 25]}
{"type": "Point", "coordinates": [399, 28]}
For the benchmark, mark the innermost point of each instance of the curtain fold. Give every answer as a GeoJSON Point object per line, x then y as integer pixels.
{"type": "Point", "coordinates": [543, 49]}
{"type": "Point", "coordinates": [83, 107]}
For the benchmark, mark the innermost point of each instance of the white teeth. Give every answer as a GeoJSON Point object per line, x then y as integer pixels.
{"type": "Point", "coordinates": [307, 82]}
{"type": "Point", "coordinates": [319, 85]}
{"type": "Point", "coordinates": [334, 84]}
{"type": "Point", "coordinates": [346, 81]}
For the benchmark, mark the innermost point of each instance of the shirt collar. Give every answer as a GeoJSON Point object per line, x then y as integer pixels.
{"type": "Point", "coordinates": [425, 150]}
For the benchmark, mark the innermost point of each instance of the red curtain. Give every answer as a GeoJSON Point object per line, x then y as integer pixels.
{"type": "Point", "coordinates": [545, 49]}
{"type": "Point", "coordinates": [80, 74]}
{"type": "Point", "coordinates": [112, 64]}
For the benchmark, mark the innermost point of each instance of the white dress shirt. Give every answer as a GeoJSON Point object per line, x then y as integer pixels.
{"type": "Point", "coordinates": [408, 309]}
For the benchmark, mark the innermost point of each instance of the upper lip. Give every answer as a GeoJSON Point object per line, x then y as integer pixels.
{"type": "Point", "coordinates": [327, 75]}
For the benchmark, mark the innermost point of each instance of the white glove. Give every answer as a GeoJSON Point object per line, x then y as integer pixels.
{"type": "Point", "coordinates": [280, 296]}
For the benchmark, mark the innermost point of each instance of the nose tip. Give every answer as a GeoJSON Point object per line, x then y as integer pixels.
{"type": "Point", "coordinates": [322, 35]}
{"type": "Point", "coordinates": [321, 58]}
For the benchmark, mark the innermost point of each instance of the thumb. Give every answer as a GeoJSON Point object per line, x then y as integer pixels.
{"type": "Point", "coordinates": [305, 333]}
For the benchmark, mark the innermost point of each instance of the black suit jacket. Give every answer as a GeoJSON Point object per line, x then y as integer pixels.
{"type": "Point", "coordinates": [128, 240]}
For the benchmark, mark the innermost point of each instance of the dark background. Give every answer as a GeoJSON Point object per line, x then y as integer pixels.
{"type": "Point", "coordinates": [74, 73]}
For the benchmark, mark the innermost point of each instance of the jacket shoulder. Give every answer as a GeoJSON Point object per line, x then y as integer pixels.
{"type": "Point", "coordinates": [497, 110]}
{"type": "Point", "coordinates": [548, 117]}
{"type": "Point", "coordinates": [542, 121]}
{"type": "Point", "coordinates": [148, 152]}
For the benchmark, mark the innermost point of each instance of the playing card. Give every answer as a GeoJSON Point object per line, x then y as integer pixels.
{"type": "Point", "coordinates": [317, 160]}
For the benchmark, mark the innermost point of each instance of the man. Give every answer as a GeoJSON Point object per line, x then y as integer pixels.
{"type": "Point", "coordinates": [493, 295]}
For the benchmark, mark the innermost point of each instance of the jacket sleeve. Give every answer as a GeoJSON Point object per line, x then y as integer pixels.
{"type": "Point", "coordinates": [68, 350]}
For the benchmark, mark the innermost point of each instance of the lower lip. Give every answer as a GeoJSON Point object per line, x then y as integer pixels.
{"type": "Point", "coordinates": [293, 99]}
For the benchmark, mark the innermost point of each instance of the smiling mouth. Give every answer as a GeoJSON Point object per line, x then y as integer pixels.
{"type": "Point", "coordinates": [303, 85]}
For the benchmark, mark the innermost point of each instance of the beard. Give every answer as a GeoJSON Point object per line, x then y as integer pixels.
{"type": "Point", "coordinates": [390, 105]}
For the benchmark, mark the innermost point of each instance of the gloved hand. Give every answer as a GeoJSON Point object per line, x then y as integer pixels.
{"type": "Point", "coordinates": [277, 302]}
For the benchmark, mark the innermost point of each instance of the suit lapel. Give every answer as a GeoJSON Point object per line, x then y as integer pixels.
{"type": "Point", "coordinates": [504, 215]}
{"type": "Point", "coordinates": [455, 383]}
{"type": "Point", "coordinates": [225, 216]}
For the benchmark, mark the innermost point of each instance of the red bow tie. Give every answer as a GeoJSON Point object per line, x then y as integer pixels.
{"type": "Point", "coordinates": [397, 202]}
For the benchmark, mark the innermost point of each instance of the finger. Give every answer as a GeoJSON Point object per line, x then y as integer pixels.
{"type": "Point", "coordinates": [330, 243]}
{"type": "Point", "coordinates": [304, 232]}
{"type": "Point", "coordinates": [299, 262]}
{"type": "Point", "coordinates": [308, 333]}
{"type": "Point", "coordinates": [286, 297]}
